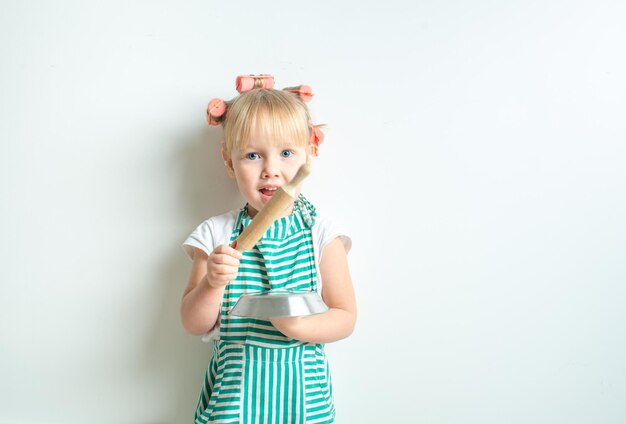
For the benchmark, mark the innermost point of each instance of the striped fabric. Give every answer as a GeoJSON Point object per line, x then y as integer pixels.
{"type": "Point", "coordinates": [257, 375]}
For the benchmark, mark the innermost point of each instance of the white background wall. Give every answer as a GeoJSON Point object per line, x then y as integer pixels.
{"type": "Point", "coordinates": [475, 150]}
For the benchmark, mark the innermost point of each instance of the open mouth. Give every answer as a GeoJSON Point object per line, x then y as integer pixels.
{"type": "Point", "coordinates": [268, 192]}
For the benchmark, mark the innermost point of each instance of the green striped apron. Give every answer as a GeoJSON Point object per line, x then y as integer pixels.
{"type": "Point", "coordinates": [256, 374]}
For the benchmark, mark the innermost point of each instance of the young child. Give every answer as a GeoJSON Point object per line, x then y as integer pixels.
{"type": "Point", "coordinates": [267, 371]}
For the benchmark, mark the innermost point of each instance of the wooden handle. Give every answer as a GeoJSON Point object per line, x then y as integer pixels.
{"type": "Point", "coordinates": [271, 211]}
{"type": "Point", "coordinates": [290, 187]}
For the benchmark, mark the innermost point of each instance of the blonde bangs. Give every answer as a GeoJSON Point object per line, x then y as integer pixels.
{"type": "Point", "coordinates": [273, 114]}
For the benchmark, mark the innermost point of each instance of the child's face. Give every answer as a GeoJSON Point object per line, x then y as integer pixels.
{"type": "Point", "coordinates": [263, 166]}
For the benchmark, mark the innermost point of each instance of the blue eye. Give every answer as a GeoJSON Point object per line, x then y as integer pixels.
{"type": "Point", "coordinates": [252, 156]}
{"type": "Point", "coordinates": [286, 153]}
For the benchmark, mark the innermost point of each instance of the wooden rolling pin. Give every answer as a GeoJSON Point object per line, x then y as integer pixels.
{"type": "Point", "coordinates": [271, 211]}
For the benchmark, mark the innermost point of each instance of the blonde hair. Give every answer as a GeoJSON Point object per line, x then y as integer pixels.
{"type": "Point", "coordinates": [276, 114]}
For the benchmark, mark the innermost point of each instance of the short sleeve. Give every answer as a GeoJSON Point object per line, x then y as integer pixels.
{"type": "Point", "coordinates": [201, 238]}
{"type": "Point", "coordinates": [329, 230]}
{"type": "Point", "coordinates": [325, 231]}
{"type": "Point", "coordinates": [211, 233]}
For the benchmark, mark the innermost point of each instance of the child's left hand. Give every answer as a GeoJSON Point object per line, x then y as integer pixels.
{"type": "Point", "coordinates": [338, 321]}
{"type": "Point", "coordinates": [286, 325]}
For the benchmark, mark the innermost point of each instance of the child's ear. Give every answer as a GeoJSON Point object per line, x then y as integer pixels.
{"type": "Point", "coordinates": [228, 163]}
{"type": "Point", "coordinates": [229, 168]}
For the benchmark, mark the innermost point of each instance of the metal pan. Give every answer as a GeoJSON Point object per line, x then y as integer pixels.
{"type": "Point", "coordinates": [279, 303]}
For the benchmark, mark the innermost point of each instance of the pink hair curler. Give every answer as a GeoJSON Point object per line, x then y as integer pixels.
{"type": "Point", "coordinates": [249, 82]}
{"type": "Point", "coordinates": [317, 138]}
{"type": "Point", "coordinates": [216, 109]}
{"type": "Point", "coordinates": [303, 91]}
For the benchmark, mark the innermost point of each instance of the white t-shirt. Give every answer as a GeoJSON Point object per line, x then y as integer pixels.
{"type": "Point", "coordinates": [217, 230]}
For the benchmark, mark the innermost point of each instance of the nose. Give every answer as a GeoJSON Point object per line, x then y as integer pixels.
{"type": "Point", "coordinates": [270, 169]}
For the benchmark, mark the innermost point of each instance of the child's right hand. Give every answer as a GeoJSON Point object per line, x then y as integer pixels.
{"type": "Point", "coordinates": [222, 266]}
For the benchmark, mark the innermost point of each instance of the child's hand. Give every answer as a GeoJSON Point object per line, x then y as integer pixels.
{"type": "Point", "coordinates": [222, 266]}
{"type": "Point", "coordinates": [286, 325]}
